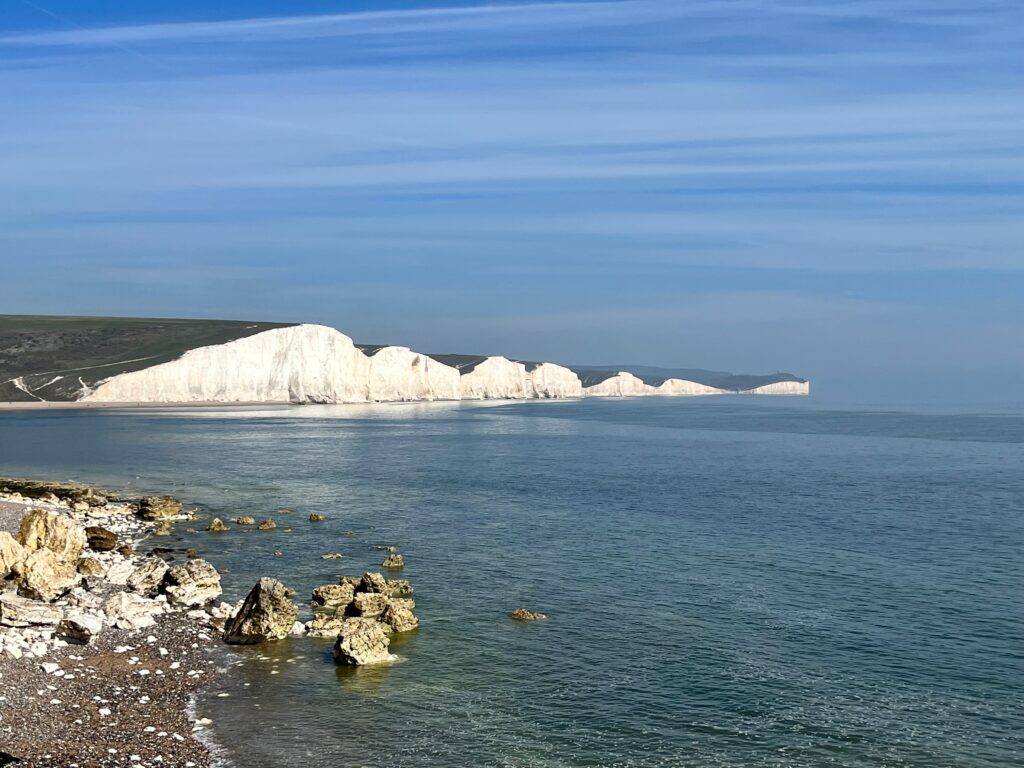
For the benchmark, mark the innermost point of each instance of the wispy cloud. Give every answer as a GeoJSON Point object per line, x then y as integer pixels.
{"type": "Point", "coordinates": [568, 149]}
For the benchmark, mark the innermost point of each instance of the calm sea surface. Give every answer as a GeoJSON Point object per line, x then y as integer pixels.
{"type": "Point", "coordinates": [732, 582]}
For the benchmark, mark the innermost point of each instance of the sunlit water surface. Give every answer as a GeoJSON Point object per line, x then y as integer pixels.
{"type": "Point", "coordinates": [731, 582]}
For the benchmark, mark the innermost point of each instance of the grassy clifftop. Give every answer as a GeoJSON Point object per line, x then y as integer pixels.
{"type": "Point", "coordinates": [52, 357]}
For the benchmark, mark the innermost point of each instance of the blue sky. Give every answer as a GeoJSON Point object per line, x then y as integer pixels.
{"type": "Point", "coordinates": [831, 188]}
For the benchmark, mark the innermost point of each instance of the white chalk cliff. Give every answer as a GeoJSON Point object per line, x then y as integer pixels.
{"type": "Point", "coordinates": [687, 388]}
{"type": "Point", "coordinates": [317, 364]}
{"type": "Point", "coordinates": [496, 378]}
{"type": "Point", "coordinates": [622, 384]}
{"type": "Point", "coordinates": [298, 364]}
{"type": "Point", "coordinates": [398, 373]}
{"type": "Point", "coordinates": [548, 380]}
{"type": "Point", "coordinates": [781, 388]}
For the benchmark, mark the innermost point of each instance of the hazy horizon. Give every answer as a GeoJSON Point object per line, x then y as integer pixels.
{"type": "Point", "coordinates": [832, 190]}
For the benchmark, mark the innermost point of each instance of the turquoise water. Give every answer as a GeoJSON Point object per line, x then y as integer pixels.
{"type": "Point", "coordinates": [732, 582]}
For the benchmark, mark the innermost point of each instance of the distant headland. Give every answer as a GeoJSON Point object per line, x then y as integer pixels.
{"type": "Point", "coordinates": [148, 361]}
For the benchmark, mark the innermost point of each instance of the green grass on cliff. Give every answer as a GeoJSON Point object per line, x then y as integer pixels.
{"type": "Point", "coordinates": [38, 349]}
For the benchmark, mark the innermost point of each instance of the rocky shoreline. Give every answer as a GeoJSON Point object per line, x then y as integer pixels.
{"type": "Point", "coordinates": [97, 665]}
{"type": "Point", "coordinates": [102, 650]}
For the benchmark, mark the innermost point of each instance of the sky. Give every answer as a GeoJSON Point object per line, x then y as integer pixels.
{"type": "Point", "coordinates": [832, 188]}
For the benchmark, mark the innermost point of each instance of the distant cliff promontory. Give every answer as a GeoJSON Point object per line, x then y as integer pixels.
{"type": "Point", "coordinates": [126, 360]}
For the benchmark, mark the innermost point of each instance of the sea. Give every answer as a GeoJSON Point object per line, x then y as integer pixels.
{"type": "Point", "coordinates": [730, 581]}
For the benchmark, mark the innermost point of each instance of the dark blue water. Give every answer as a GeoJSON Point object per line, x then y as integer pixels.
{"type": "Point", "coordinates": [732, 582]}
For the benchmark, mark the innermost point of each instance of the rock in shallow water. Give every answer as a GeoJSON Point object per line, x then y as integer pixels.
{"type": "Point", "coordinates": [398, 616]}
{"type": "Point", "coordinates": [159, 507]}
{"type": "Point", "coordinates": [216, 526]}
{"type": "Point", "coordinates": [372, 582]}
{"type": "Point", "coordinates": [267, 525]}
{"type": "Point", "coordinates": [362, 641]}
{"type": "Point", "coordinates": [399, 588]}
{"type": "Point", "coordinates": [266, 614]}
{"type": "Point", "coordinates": [521, 614]}
{"type": "Point", "coordinates": [334, 596]}
{"type": "Point", "coordinates": [368, 604]}
{"type": "Point", "coordinates": [394, 561]}
{"type": "Point", "coordinates": [324, 625]}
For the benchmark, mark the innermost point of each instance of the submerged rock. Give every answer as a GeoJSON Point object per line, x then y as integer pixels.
{"type": "Point", "coordinates": [159, 507]}
{"type": "Point", "coordinates": [47, 530]}
{"type": "Point", "coordinates": [521, 614]}
{"type": "Point", "coordinates": [266, 614]}
{"type": "Point", "coordinates": [216, 526]}
{"type": "Point", "coordinates": [362, 641]}
{"type": "Point", "coordinates": [332, 556]}
{"type": "Point", "coordinates": [100, 539]}
{"type": "Point", "coordinates": [42, 575]}
{"type": "Point", "coordinates": [192, 584]}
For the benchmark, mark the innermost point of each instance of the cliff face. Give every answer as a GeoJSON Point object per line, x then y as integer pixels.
{"type": "Point", "coordinates": [398, 373]}
{"type": "Point", "coordinates": [496, 378]}
{"type": "Point", "coordinates": [298, 364]}
{"type": "Point", "coordinates": [548, 380]}
{"type": "Point", "coordinates": [781, 388]}
{"type": "Point", "coordinates": [317, 364]}
{"type": "Point", "coordinates": [687, 388]}
{"type": "Point", "coordinates": [622, 384]}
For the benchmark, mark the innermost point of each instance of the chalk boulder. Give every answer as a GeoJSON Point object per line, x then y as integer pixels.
{"type": "Point", "coordinates": [266, 614]}
{"type": "Point", "coordinates": [47, 530]}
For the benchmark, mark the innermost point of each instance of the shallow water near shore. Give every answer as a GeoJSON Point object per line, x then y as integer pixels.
{"type": "Point", "coordinates": [731, 582]}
